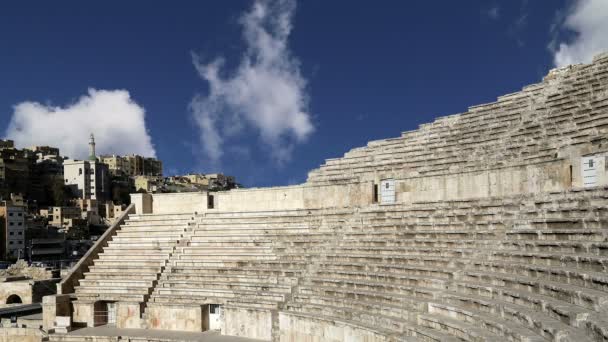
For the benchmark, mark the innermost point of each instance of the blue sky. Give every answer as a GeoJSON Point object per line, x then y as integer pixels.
{"type": "Point", "coordinates": [349, 72]}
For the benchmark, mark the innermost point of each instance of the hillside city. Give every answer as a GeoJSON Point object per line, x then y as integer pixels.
{"type": "Point", "coordinates": [53, 208]}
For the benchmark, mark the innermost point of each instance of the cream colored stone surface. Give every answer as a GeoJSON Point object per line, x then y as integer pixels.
{"type": "Point", "coordinates": [177, 317]}
{"type": "Point", "coordinates": [53, 306]}
{"type": "Point", "coordinates": [20, 335]}
{"type": "Point", "coordinates": [300, 328]}
{"type": "Point", "coordinates": [188, 202]}
{"type": "Point", "coordinates": [83, 313]}
{"type": "Point", "coordinates": [22, 288]}
{"type": "Point", "coordinates": [128, 315]}
{"type": "Point", "coordinates": [248, 323]}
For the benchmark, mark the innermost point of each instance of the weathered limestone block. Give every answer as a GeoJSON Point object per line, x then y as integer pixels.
{"type": "Point", "coordinates": [143, 203]}
{"type": "Point", "coordinates": [175, 317]}
{"type": "Point", "coordinates": [304, 328]}
{"type": "Point", "coordinates": [53, 306]}
{"type": "Point", "coordinates": [84, 313]}
{"type": "Point", "coordinates": [20, 334]}
{"type": "Point", "coordinates": [63, 324]}
{"type": "Point", "coordinates": [247, 322]}
{"type": "Point", "coordinates": [128, 315]}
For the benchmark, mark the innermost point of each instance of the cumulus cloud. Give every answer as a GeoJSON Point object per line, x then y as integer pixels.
{"type": "Point", "coordinates": [116, 120]}
{"type": "Point", "coordinates": [588, 20]}
{"type": "Point", "coordinates": [266, 93]}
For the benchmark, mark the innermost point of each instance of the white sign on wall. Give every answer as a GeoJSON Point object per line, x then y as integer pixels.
{"type": "Point", "coordinates": [589, 166]}
{"type": "Point", "coordinates": [387, 191]}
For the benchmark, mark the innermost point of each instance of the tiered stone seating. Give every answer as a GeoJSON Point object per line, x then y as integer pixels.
{"type": "Point", "coordinates": [523, 268]}
{"type": "Point", "coordinates": [232, 258]}
{"type": "Point", "coordinates": [129, 267]}
{"type": "Point", "coordinates": [462, 270]}
{"type": "Point", "coordinates": [503, 133]}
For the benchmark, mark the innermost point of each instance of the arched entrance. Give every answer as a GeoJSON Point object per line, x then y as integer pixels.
{"type": "Point", "coordinates": [13, 299]}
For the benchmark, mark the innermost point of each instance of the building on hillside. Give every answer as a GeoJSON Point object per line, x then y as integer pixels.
{"type": "Point", "coordinates": [61, 217]}
{"type": "Point", "coordinates": [132, 165]}
{"type": "Point", "coordinates": [46, 169]}
{"type": "Point", "coordinates": [212, 181]}
{"type": "Point", "coordinates": [12, 230]}
{"type": "Point", "coordinates": [148, 183]}
{"type": "Point", "coordinates": [112, 211]}
{"type": "Point", "coordinates": [50, 248]}
{"type": "Point", "coordinates": [87, 179]}
{"type": "Point", "coordinates": [15, 170]}
{"type": "Point", "coordinates": [45, 152]}
{"type": "Point", "coordinates": [152, 167]}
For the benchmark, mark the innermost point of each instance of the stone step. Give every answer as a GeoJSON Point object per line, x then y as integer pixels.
{"type": "Point", "coordinates": [587, 298]}
{"type": "Point", "coordinates": [111, 297]}
{"type": "Point", "coordinates": [133, 255]}
{"type": "Point", "coordinates": [106, 275]}
{"type": "Point", "coordinates": [458, 329]}
{"type": "Point", "coordinates": [228, 286]}
{"type": "Point", "coordinates": [547, 326]}
{"type": "Point", "coordinates": [197, 295]}
{"type": "Point", "coordinates": [133, 262]}
{"type": "Point", "coordinates": [228, 257]}
{"type": "Point", "coordinates": [114, 283]}
{"type": "Point", "coordinates": [139, 290]}
{"type": "Point", "coordinates": [225, 250]}
{"type": "Point", "coordinates": [124, 268]}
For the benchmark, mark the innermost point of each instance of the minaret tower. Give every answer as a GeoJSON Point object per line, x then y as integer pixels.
{"type": "Point", "coordinates": [92, 156]}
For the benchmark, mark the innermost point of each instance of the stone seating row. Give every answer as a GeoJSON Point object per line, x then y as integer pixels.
{"type": "Point", "coordinates": [511, 294]}
{"type": "Point", "coordinates": [576, 121]}
{"type": "Point", "coordinates": [128, 267]}
{"type": "Point", "coordinates": [226, 259]}
{"type": "Point", "coordinates": [525, 268]}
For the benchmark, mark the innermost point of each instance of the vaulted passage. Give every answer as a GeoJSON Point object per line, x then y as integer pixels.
{"type": "Point", "coordinates": [13, 299]}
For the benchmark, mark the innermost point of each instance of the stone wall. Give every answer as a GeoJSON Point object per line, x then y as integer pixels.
{"type": "Point", "coordinates": [175, 317]}
{"type": "Point", "coordinates": [298, 328]}
{"type": "Point", "coordinates": [294, 197]}
{"type": "Point", "coordinates": [23, 289]}
{"type": "Point", "coordinates": [508, 181]}
{"type": "Point", "coordinates": [248, 322]}
{"type": "Point", "coordinates": [185, 202]}
{"type": "Point", "coordinates": [21, 335]}
{"type": "Point", "coordinates": [525, 179]}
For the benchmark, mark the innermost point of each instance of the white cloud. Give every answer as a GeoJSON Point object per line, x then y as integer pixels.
{"type": "Point", "coordinates": [116, 120]}
{"type": "Point", "coordinates": [588, 20]}
{"type": "Point", "coordinates": [265, 93]}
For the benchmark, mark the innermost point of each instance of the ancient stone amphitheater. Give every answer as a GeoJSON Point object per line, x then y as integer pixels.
{"type": "Point", "coordinates": [488, 225]}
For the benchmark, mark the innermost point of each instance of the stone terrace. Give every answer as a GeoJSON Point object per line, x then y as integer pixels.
{"type": "Point", "coordinates": [526, 268]}
{"type": "Point", "coordinates": [130, 265]}
{"type": "Point", "coordinates": [568, 108]}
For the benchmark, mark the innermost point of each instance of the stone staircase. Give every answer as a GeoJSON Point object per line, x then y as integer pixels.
{"type": "Point", "coordinates": [129, 267]}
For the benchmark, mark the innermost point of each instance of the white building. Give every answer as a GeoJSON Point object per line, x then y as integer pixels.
{"type": "Point", "coordinates": [87, 179]}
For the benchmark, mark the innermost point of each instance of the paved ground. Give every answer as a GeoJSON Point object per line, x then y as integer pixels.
{"type": "Point", "coordinates": [207, 336]}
